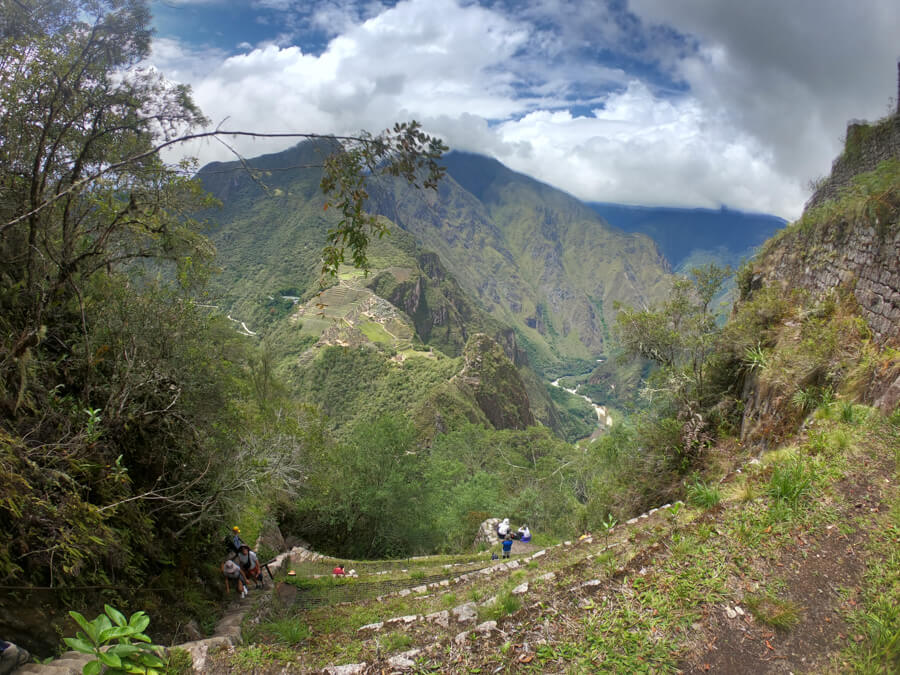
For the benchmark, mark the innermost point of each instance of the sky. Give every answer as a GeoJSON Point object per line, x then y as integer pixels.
{"type": "Point", "coordinates": [692, 103]}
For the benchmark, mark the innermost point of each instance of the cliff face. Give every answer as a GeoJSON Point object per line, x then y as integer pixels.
{"type": "Point", "coordinates": [834, 277]}
{"type": "Point", "coordinates": [859, 256]}
{"type": "Point", "coordinates": [496, 384]}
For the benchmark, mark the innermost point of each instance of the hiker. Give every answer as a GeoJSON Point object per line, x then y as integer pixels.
{"type": "Point", "coordinates": [524, 534]}
{"type": "Point", "coordinates": [507, 545]}
{"type": "Point", "coordinates": [233, 573]}
{"type": "Point", "coordinates": [234, 545]}
{"type": "Point", "coordinates": [250, 565]}
{"type": "Point", "coordinates": [503, 528]}
{"type": "Point", "coordinates": [11, 657]}
{"type": "Point", "coordinates": [337, 571]}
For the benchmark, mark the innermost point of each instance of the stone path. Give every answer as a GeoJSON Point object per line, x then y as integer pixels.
{"type": "Point", "coordinates": [227, 632]}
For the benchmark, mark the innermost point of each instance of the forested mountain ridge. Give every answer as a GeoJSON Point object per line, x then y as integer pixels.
{"type": "Point", "coordinates": [534, 256]}
{"type": "Point", "coordinates": [269, 234]}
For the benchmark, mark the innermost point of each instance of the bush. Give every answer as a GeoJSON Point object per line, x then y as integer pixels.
{"type": "Point", "coordinates": [704, 496]}
{"type": "Point", "coordinates": [790, 481]}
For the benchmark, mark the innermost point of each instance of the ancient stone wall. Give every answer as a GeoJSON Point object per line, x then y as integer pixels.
{"type": "Point", "coordinates": [867, 145]}
{"type": "Point", "coordinates": [856, 256]}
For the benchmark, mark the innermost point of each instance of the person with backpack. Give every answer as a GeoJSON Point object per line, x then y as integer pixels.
{"type": "Point", "coordinates": [233, 573]}
{"type": "Point", "coordinates": [250, 565]}
{"type": "Point", "coordinates": [233, 542]}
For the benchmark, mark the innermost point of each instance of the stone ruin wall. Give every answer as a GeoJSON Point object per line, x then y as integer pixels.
{"type": "Point", "coordinates": [868, 145]}
{"type": "Point", "coordinates": [856, 256]}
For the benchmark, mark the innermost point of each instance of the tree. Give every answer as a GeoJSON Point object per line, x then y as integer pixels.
{"type": "Point", "coordinates": [680, 337]}
{"type": "Point", "coordinates": [132, 418]}
{"type": "Point", "coordinates": [680, 334]}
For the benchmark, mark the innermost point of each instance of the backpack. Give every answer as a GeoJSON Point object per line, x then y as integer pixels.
{"type": "Point", "coordinates": [228, 542]}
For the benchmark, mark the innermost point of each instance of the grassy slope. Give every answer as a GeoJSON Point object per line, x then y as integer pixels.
{"type": "Point", "coordinates": [796, 568]}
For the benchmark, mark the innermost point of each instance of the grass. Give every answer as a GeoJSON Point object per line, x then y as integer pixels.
{"type": "Point", "coordinates": [779, 613]}
{"type": "Point", "coordinates": [648, 616]}
{"type": "Point", "coordinates": [790, 481]}
{"type": "Point", "coordinates": [704, 496]}
{"type": "Point", "coordinates": [289, 631]}
{"type": "Point", "coordinates": [505, 604]}
{"type": "Point", "coordinates": [877, 616]}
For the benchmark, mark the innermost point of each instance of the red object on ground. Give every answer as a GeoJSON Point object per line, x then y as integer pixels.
{"type": "Point", "coordinates": [338, 571]}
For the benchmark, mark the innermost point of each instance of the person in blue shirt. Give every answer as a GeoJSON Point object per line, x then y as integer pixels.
{"type": "Point", "coordinates": [236, 542]}
{"type": "Point", "coordinates": [507, 545]}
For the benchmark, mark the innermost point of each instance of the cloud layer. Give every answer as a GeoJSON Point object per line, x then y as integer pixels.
{"type": "Point", "coordinates": [675, 102]}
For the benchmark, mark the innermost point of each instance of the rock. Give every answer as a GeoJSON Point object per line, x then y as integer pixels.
{"type": "Point", "coordinates": [461, 638]}
{"type": "Point", "coordinates": [199, 651]}
{"type": "Point", "coordinates": [404, 661]}
{"type": "Point", "coordinates": [371, 627]}
{"type": "Point", "coordinates": [402, 620]}
{"type": "Point", "coordinates": [538, 554]}
{"type": "Point", "coordinates": [549, 576]}
{"type": "Point", "coordinates": [441, 618]}
{"type": "Point", "coordinates": [487, 533]}
{"type": "Point", "coordinates": [466, 613]}
{"type": "Point", "coordinates": [270, 537]}
{"type": "Point", "coordinates": [521, 589]}
{"type": "Point", "coordinates": [590, 584]}
{"type": "Point", "coordinates": [486, 627]}
{"type": "Point", "coordinates": [286, 593]}
{"type": "Point", "coordinates": [730, 613]}
{"type": "Point", "coordinates": [420, 589]}
{"type": "Point", "coordinates": [347, 669]}
{"type": "Point", "coordinates": [192, 630]}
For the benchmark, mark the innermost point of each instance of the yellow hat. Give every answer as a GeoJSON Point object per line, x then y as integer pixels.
{"type": "Point", "coordinates": [292, 573]}
{"type": "Point", "coordinates": [236, 528]}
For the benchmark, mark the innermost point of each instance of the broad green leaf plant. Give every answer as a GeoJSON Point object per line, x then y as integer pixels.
{"type": "Point", "coordinates": [118, 644]}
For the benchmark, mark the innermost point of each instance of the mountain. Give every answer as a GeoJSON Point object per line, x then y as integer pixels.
{"type": "Point", "coordinates": [691, 237]}
{"type": "Point", "coordinates": [410, 315]}
{"type": "Point", "coordinates": [534, 257]}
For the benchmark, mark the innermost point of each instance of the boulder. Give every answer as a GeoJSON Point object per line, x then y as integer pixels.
{"type": "Point", "coordinates": [487, 533]}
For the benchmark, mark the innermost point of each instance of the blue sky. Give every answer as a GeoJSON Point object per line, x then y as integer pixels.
{"type": "Point", "coordinates": [656, 102]}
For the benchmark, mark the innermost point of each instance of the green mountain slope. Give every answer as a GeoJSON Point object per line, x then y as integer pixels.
{"type": "Point", "coordinates": [269, 234]}
{"type": "Point", "coordinates": [534, 256]}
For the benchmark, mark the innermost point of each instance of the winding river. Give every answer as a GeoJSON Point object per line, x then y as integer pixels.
{"type": "Point", "coordinates": [603, 417]}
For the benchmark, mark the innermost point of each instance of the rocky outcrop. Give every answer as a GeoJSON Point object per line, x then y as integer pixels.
{"type": "Point", "coordinates": [860, 256]}
{"type": "Point", "coordinates": [496, 384]}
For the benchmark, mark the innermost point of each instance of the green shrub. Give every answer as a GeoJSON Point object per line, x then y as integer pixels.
{"type": "Point", "coordinates": [119, 645]}
{"type": "Point", "coordinates": [291, 631]}
{"type": "Point", "coordinates": [790, 481]}
{"type": "Point", "coordinates": [704, 496]}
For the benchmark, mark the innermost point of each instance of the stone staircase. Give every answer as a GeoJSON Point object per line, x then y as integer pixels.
{"type": "Point", "coordinates": [431, 631]}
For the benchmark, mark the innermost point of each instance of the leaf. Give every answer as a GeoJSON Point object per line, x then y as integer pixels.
{"type": "Point", "coordinates": [110, 659]}
{"type": "Point", "coordinates": [152, 660]}
{"type": "Point", "coordinates": [114, 614]}
{"type": "Point", "coordinates": [88, 627]}
{"type": "Point", "coordinates": [79, 645]}
{"type": "Point", "coordinates": [114, 632]}
{"type": "Point", "coordinates": [124, 650]}
{"type": "Point", "coordinates": [92, 668]}
{"type": "Point", "coordinates": [139, 621]}
{"type": "Point", "coordinates": [102, 623]}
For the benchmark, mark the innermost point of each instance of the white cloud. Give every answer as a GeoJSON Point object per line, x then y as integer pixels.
{"type": "Point", "coordinates": [771, 85]}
